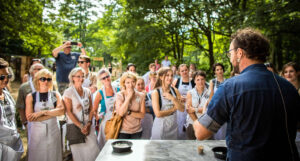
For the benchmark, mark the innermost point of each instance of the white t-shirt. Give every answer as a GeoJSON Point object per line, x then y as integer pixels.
{"type": "Point", "coordinates": [166, 63]}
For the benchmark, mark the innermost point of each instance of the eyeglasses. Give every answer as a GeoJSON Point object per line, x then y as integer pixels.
{"type": "Point", "coordinates": [105, 77]}
{"type": "Point", "coordinates": [43, 79]}
{"type": "Point", "coordinates": [81, 62]}
{"type": "Point", "coordinates": [2, 77]}
{"type": "Point", "coordinates": [228, 52]}
{"type": "Point", "coordinates": [78, 76]}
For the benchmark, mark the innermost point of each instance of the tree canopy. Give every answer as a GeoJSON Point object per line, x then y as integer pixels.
{"type": "Point", "coordinates": [139, 31]}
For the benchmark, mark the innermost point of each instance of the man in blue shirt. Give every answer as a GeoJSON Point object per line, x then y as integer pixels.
{"type": "Point", "coordinates": [261, 117]}
{"type": "Point", "coordinates": [65, 62]}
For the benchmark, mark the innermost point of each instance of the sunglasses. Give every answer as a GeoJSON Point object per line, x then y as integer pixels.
{"type": "Point", "coordinates": [2, 77]}
{"type": "Point", "coordinates": [78, 76]}
{"type": "Point", "coordinates": [105, 77]}
{"type": "Point", "coordinates": [43, 79]}
{"type": "Point", "coordinates": [81, 62]}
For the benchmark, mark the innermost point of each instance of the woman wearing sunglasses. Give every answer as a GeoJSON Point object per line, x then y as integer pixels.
{"type": "Point", "coordinates": [106, 98]}
{"type": "Point", "coordinates": [42, 107]}
{"type": "Point", "coordinates": [11, 147]}
{"type": "Point", "coordinates": [78, 104]}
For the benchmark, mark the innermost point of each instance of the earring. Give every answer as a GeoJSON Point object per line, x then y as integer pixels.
{"type": "Point", "coordinates": [238, 60]}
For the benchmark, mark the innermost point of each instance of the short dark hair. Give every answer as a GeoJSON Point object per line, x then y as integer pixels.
{"type": "Point", "coordinates": [3, 63]}
{"type": "Point", "coordinates": [218, 64]}
{"type": "Point", "coordinates": [86, 58]}
{"type": "Point", "coordinates": [255, 44]}
{"type": "Point", "coordinates": [129, 65]}
{"type": "Point", "coordinates": [199, 73]}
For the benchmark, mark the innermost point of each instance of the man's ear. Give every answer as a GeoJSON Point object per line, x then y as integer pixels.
{"type": "Point", "coordinates": [240, 53]}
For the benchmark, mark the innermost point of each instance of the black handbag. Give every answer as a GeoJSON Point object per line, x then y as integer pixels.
{"type": "Point", "coordinates": [74, 134]}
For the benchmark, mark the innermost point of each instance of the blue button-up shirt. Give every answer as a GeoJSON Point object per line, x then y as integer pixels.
{"type": "Point", "coordinates": [252, 106]}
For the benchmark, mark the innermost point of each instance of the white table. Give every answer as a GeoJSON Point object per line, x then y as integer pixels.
{"type": "Point", "coordinates": [162, 150]}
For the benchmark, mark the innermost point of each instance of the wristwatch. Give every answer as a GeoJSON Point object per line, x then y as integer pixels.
{"type": "Point", "coordinates": [128, 112]}
{"type": "Point", "coordinates": [25, 123]}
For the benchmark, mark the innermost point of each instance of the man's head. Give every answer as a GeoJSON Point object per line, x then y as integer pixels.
{"type": "Point", "coordinates": [84, 62]}
{"type": "Point", "coordinates": [152, 67]}
{"type": "Point", "coordinates": [35, 68]}
{"type": "Point", "coordinates": [131, 68]}
{"type": "Point", "coordinates": [67, 50]}
{"type": "Point", "coordinates": [250, 44]}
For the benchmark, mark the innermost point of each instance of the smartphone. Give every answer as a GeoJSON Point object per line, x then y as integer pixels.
{"type": "Point", "coordinates": [74, 43]}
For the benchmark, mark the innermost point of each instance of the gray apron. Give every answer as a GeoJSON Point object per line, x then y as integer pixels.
{"type": "Point", "coordinates": [89, 150]}
{"type": "Point", "coordinates": [109, 104]}
{"type": "Point", "coordinates": [11, 147]}
{"type": "Point", "coordinates": [45, 139]}
{"type": "Point", "coordinates": [181, 116]}
{"type": "Point", "coordinates": [165, 128]}
{"type": "Point", "coordinates": [147, 121]}
{"type": "Point", "coordinates": [86, 83]}
{"type": "Point", "coordinates": [198, 101]}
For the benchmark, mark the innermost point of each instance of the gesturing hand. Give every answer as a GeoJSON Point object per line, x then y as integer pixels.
{"type": "Point", "coordinates": [168, 96]}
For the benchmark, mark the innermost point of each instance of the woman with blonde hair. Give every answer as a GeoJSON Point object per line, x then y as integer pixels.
{"type": "Point", "coordinates": [153, 78]}
{"type": "Point", "coordinates": [166, 102]}
{"type": "Point", "coordinates": [106, 97]}
{"type": "Point", "coordinates": [78, 104]}
{"type": "Point", "coordinates": [130, 104]}
{"type": "Point", "coordinates": [42, 107]}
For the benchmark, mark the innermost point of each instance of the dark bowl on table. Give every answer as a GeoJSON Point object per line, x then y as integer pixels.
{"type": "Point", "coordinates": [220, 152]}
{"type": "Point", "coordinates": [121, 146]}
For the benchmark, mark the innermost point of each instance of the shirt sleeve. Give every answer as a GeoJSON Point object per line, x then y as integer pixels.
{"type": "Point", "coordinates": [218, 111]}
{"type": "Point", "coordinates": [20, 100]}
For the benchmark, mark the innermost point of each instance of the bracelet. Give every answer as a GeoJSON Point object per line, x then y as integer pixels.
{"type": "Point", "coordinates": [90, 121]}
{"type": "Point", "coordinates": [81, 47]}
{"type": "Point", "coordinates": [129, 112]}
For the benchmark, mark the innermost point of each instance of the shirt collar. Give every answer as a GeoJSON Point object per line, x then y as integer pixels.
{"type": "Point", "coordinates": [254, 66]}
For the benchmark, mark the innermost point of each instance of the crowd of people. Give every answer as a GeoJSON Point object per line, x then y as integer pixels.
{"type": "Point", "coordinates": [255, 111]}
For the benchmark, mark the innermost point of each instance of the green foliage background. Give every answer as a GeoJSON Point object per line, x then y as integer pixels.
{"type": "Point", "coordinates": [140, 31]}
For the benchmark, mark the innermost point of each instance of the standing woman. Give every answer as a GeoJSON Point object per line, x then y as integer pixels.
{"type": "Point", "coordinates": [147, 121]}
{"type": "Point", "coordinates": [290, 72]}
{"type": "Point", "coordinates": [106, 97]}
{"type": "Point", "coordinates": [218, 69]}
{"type": "Point", "coordinates": [197, 99]}
{"type": "Point", "coordinates": [152, 77]}
{"type": "Point", "coordinates": [42, 107]}
{"type": "Point", "coordinates": [130, 104]}
{"type": "Point", "coordinates": [78, 104]}
{"type": "Point", "coordinates": [11, 147]}
{"type": "Point", "coordinates": [165, 102]}
{"type": "Point", "coordinates": [183, 84]}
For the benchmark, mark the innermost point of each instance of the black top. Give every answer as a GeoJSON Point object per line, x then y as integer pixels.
{"type": "Point", "coordinates": [44, 97]}
{"type": "Point", "coordinates": [186, 83]}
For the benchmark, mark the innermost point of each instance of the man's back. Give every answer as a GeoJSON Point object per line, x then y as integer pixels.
{"type": "Point", "coordinates": [255, 114]}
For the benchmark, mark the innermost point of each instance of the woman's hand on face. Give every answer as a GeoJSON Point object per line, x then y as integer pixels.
{"type": "Point", "coordinates": [130, 93]}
